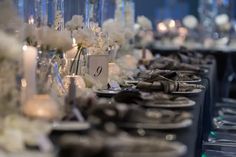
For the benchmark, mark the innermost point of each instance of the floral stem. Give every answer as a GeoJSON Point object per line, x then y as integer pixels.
{"type": "Point", "coordinates": [77, 53]}
{"type": "Point", "coordinates": [77, 68]}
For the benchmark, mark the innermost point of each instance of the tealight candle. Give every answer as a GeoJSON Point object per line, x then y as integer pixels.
{"type": "Point", "coordinates": [31, 20]}
{"type": "Point", "coordinates": [172, 25]}
{"type": "Point", "coordinates": [41, 106]}
{"type": "Point", "coordinates": [162, 28]}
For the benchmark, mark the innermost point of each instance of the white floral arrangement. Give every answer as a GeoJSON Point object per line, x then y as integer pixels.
{"type": "Point", "coordinates": [92, 37]}
{"type": "Point", "coordinates": [53, 39]}
{"type": "Point", "coordinates": [77, 22]}
{"type": "Point", "coordinates": [18, 131]}
{"type": "Point", "coordinates": [10, 54]}
{"type": "Point", "coordinates": [190, 22]}
{"type": "Point", "coordinates": [47, 38]}
{"type": "Point", "coordinates": [120, 36]}
{"type": "Point", "coordinates": [222, 21]}
{"type": "Point", "coordinates": [115, 32]}
{"type": "Point", "coordinates": [9, 20]}
{"type": "Point", "coordinates": [144, 23]}
{"type": "Point", "coordinates": [143, 30]}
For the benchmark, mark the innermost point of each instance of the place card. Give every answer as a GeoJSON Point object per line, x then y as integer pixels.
{"type": "Point", "coordinates": [98, 68]}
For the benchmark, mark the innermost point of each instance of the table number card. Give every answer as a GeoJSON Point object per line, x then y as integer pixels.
{"type": "Point", "coordinates": [98, 68]}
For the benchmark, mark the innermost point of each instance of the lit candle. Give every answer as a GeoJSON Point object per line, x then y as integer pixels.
{"type": "Point", "coordinates": [172, 25]}
{"type": "Point", "coordinates": [29, 66]}
{"type": "Point", "coordinates": [162, 28]}
{"type": "Point", "coordinates": [31, 20]}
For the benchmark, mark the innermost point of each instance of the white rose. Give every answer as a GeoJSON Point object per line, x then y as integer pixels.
{"type": "Point", "coordinates": [9, 47]}
{"type": "Point", "coordinates": [223, 22]}
{"type": "Point", "coordinates": [190, 21]}
{"type": "Point", "coordinates": [144, 22]}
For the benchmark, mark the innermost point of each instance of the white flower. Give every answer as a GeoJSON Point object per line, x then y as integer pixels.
{"type": "Point", "coordinates": [94, 27]}
{"type": "Point", "coordinates": [10, 54]}
{"type": "Point", "coordinates": [53, 39]}
{"type": "Point", "coordinates": [10, 48]}
{"type": "Point", "coordinates": [115, 31]}
{"type": "Point", "coordinates": [69, 26]}
{"type": "Point", "coordinates": [29, 32]}
{"type": "Point", "coordinates": [8, 16]}
{"type": "Point", "coordinates": [44, 35]}
{"type": "Point", "coordinates": [223, 22]}
{"type": "Point", "coordinates": [85, 37]}
{"type": "Point", "coordinates": [75, 23]}
{"type": "Point", "coordinates": [190, 21]}
{"type": "Point", "coordinates": [144, 22]}
{"type": "Point", "coordinates": [129, 33]}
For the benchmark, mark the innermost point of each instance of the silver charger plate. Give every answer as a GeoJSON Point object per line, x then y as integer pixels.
{"type": "Point", "coordinates": [153, 105]}
{"type": "Point", "coordinates": [26, 154]}
{"type": "Point", "coordinates": [131, 82]}
{"type": "Point", "coordinates": [70, 126]}
{"type": "Point", "coordinates": [167, 126]}
{"type": "Point", "coordinates": [194, 91]}
{"type": "Point", "coordinates": [192, 81]}
{"type": "Point", "coordinates": [107, 93]}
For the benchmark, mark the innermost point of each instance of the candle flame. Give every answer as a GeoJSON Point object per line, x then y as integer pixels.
{"type": "Point", "coordinates": [162, 27]}
{"type": "Point", "coordinates": [24, 47]}
{"type": "Point", "coordinates": [74, 42]}
{"type": "Point", "coordinates": [23, 83]}
{"type": "Point", "coordinates": [31, 20]}
{"type": "Point", "coordinates": [172, 24]}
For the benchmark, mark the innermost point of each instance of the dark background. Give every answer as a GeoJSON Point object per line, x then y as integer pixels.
{"type": "Point", "coordinates": [153, 9]}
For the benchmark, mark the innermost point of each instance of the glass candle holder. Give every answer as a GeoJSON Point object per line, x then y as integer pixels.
{"type": "Point", "coordinates": [38, 99]}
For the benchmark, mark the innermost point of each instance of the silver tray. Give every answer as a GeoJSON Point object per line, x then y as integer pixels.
{"type": "Point", "coordinates": [194, 91]}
